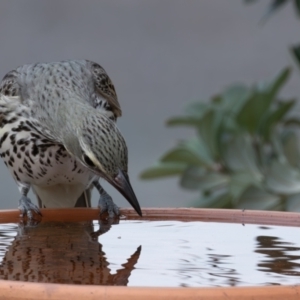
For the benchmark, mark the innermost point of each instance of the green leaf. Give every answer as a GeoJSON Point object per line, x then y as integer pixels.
{"type": "Point", "coordinates": [197, 109]}
{"type": "Point", "coordinates": [234, 98]}
{"type": "Point", "coordinates": [239, 155]}
{"type": "Point", "coordinates": [208, 131]}
{"type": "Point", "coordinates": [216, 100]}
{"type": "Point", "coordinates": [282, 178]}
{"type": "Point", "coordinates": [277, 83]}
{"type": "Point", "coordinates": [163, 170]}
{"type": "Point", "coordinates": [295, 50]}
{"type": "Point", "coordinates": [293, 203]}
{"type": "Point", "coordinates": [292, 121]}
{"type": "Point", "coordinates": [183, 121]}
{"type": "Point", "coordinates": [256, 198]}
{"type": "Point", "coordinates": [253, 110]}
{"type": "Point", "coordinates": [208, 126]}
{"type": "Point", "coordinates": [219, 199]}
{"type": "Point", "coordinates": [191, 152]}
{"type": "Point", "coordinates": [240, 181]}
{"type": "Point", "coordinates": [274, 117]}
{"type": "Point", "coordinates": [291, 147]}
{"type": "Point", "coordinates": [258, 104]}
{"type": "Point", "coordinates": [273, 7]}
{"type": "Point", "coordinates": [200, 179]}
{"type": "Point", "coordinates": [297, 6]}
{"type": "Point", "coordinates": [224, 201]}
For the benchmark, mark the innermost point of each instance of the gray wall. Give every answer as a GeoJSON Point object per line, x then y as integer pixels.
{"type": "Point", "coordinates": [160, 55]}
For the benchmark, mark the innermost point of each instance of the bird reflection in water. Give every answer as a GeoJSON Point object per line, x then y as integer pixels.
{"type": "Point", "coordinates": [57, 252]}
{"type": "Point", "coordinates": [278, 258]}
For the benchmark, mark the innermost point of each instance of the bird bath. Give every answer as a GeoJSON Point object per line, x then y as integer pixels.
{"type": "Point", "coordinates": [167, 254]}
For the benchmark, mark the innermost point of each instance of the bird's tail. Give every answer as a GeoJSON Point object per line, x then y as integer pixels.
{"type": "Point", "coordinates": [84, 199]}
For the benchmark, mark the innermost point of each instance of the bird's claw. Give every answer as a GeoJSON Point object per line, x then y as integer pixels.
{"type": "Point", "coordinates": [104, 226]}
{"type": "Point", "coordinates": [106, 205]}
{"type": "Point", "coordinates": [28, 209]}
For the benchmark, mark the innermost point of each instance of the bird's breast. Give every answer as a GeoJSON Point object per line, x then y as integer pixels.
{"type": "Point", "coordinates": [34, 160]}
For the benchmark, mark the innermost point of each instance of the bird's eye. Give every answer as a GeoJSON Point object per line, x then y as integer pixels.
{"type": "Point", "coordinates": [88, 161]}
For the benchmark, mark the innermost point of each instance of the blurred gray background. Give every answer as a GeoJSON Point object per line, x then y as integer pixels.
{"type": "Point", "coordinates": [160, 55]}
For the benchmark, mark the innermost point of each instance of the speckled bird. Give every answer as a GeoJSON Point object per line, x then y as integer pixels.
{"type": "Point", "coordinates": [58, 135]}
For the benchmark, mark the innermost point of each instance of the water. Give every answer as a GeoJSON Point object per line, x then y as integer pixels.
{"type": "Point", "coordinates": [151, 253]}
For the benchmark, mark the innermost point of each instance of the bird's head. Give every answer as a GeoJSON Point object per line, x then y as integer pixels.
{"type": "Point", "coordinates": [100, 146]}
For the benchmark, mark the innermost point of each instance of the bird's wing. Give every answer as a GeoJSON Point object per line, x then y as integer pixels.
{"type": "Point", "coordinates": [9, 85]}
{"type": "Point", "coordinates": [105, 88]}
{"type": "Point", "coordinates": [12, 104]}
{"type": "Point", "coordinates": [43, 86]}
{"type": "Point", "coordinates": [101, 83]}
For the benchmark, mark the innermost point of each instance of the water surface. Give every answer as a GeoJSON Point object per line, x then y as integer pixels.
{"type": "Point", "coordinates": [151, 253]}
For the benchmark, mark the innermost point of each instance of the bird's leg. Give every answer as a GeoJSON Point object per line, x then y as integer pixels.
{"type": "Point", "coordinates": [104, 226]}
{"type": "Point", "coordinates": [26, 207]}
{"type": "Point", "coordinates": [106, 203]}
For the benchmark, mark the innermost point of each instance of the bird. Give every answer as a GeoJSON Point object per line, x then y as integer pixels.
{"type": "Point", "coordinates": [58, 136]}
{"type": "Point", "coordinates": [31, 257]}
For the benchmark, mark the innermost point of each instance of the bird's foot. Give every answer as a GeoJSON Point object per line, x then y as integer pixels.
{"type": "Point", "coordinates": [107, 205]}
{"type": "Point", "coordinates": [28, 209]}
{"type": "Point", "coordinates": [104, 226]}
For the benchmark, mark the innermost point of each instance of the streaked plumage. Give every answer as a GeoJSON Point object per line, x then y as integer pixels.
{"type": "Point", "coordinates": [58, 134]}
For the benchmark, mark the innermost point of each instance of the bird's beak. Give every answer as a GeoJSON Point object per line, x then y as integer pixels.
{"type": "Point", "coordinates": [122, 184]}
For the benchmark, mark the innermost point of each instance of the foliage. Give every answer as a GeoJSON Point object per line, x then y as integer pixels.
{"type": "Point", "coordinates": [246, 149]}
{"type": "Point", "coordinates": [246, 153]}
{"type": "Point", "coordinates": [275, 5]}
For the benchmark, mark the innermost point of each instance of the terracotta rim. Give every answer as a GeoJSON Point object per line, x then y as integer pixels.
{"type": "Point", "coordinates": [180, 214]}
{"type": "Point", "coordinates": [28, 290]}
{"type": "Point", "coordinates": [20, 290]}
